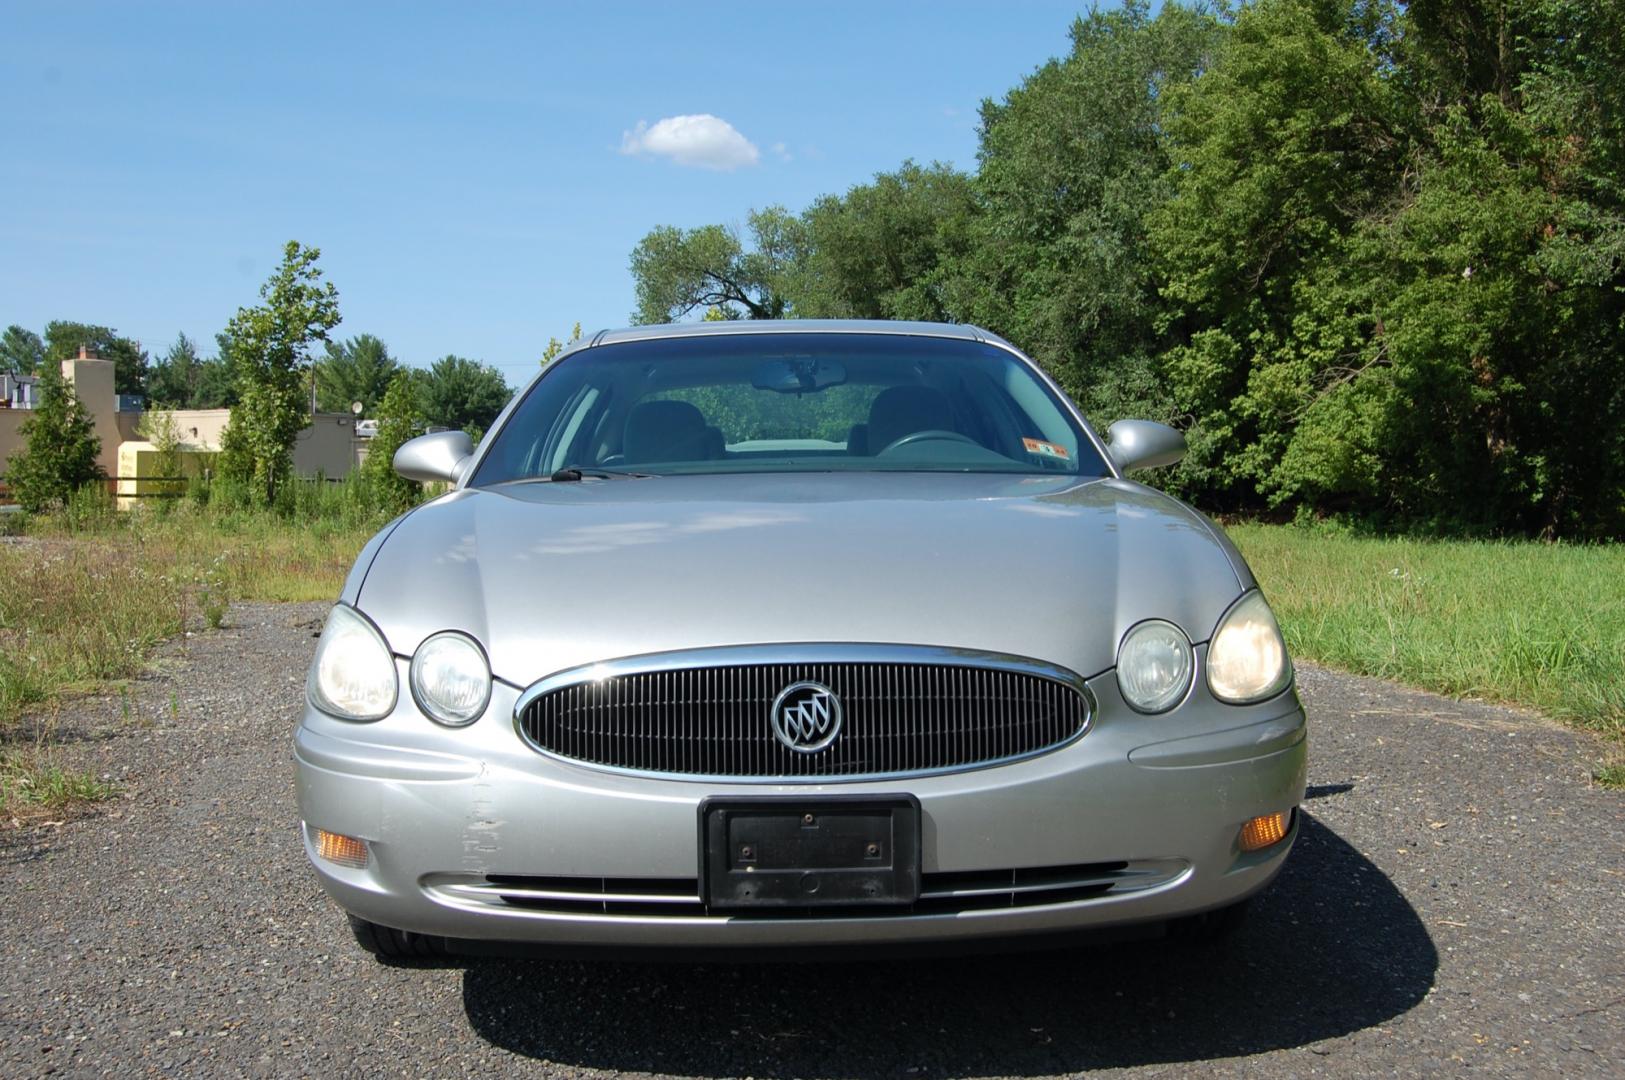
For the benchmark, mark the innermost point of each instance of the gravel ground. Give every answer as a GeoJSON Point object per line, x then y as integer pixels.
{"type": "Point", "coordinates": [1454, 905]}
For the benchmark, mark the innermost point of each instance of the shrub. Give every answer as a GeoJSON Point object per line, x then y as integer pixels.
{"type": "Point", "coordinates": [399, 419]}
{"type": "Point", "coordinates": [62, 447]}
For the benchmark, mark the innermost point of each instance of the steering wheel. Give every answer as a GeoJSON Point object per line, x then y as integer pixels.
{"type": "Point", "coordinates": [929, 435]}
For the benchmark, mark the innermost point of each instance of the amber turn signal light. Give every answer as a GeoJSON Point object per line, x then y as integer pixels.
{"type": "Point", "coordinates": [344, 850]}
{"type": "Point", "coordinates": [1261, 832]}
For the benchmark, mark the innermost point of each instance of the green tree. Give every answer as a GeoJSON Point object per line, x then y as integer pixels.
{"type": "Point", "coordinates": [1393, 261]}
{"type": "Point", "coordinates": [64, 339]}
{"type": "Point", "coordinates": [359, 369]}
{"type": "Point", "coordinates": [215, 382]}
{"type": "Point", "coordinates": [271, 344]}
{"type": "Point", "coordinates": [21, 351]}
{"type": "Point", "coordinates": [172, 380]}
{"type": "Point", "coordinates": [61, 447]}
{"type": "Point", "coordinates": [679, 271]}
{"type": "Point", "coordinates": [880, 251]}
{"type": "Point", "coordinates": [460, 393]}
{"type": "Point", "coordinates": [1073, 163]}
{"type": "Point", "coordinates": [555, 346]}
{"type": "Point", "coordinates": [400, 418]}
{"type": "Point", "coordinates": [1290, 138]}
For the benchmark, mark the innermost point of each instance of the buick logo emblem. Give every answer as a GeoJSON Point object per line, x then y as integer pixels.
{"type": "Point", "coordinates": [806, 717]}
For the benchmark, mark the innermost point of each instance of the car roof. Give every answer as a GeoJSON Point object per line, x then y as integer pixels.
{"type": "Point", "coordinates": [726, 327]}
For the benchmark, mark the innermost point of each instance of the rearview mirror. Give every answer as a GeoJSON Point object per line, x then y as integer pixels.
{"type": "Point", "coordinates": [1144, 444]}
{"type": "Point", "coordinates": [442, 455]}
{"type": "Point", "coordinates": [798, 375]}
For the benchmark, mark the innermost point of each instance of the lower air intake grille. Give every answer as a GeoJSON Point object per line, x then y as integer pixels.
{"type": "Point", "coordinates": [940, 893]}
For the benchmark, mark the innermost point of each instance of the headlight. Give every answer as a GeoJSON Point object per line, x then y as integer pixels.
{"type": "Point", "coordinates": [451, 679]}
{"type": "Point", "coordinates": [1246, 660]}
{"type": "Point", "coordinates": [353, 675]}
{"type": "Point", "coordinates": [1154, 666]}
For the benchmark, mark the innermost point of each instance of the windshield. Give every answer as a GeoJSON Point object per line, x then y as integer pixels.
{"type": "Point", "coordinates": [789, 403]}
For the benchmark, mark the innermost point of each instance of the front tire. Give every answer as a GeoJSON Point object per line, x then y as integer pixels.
{"type": "Point", "coordinates": [1209, 927]}
{"type": "Point", "coordinates": [387, 943]}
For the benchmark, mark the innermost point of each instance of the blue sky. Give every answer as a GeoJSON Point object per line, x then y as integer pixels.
{"type": "Point", "coordinates": [464, 169]}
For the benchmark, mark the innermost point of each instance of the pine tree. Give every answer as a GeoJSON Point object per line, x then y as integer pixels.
{"type": "Point", "coordinates": [62, 447]}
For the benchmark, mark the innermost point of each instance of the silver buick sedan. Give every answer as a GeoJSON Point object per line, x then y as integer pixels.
{"type": "Point", "coordinates": [792, 635]}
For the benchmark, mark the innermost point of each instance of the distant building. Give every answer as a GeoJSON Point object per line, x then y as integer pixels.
{"type": "Point", "coordinates": [17, 391]}
{"type": "Point", "coordinates": [328, 446]}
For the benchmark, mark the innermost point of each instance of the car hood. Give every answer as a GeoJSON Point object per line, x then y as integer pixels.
{"type": "Point", "coordinates": [549, 576]}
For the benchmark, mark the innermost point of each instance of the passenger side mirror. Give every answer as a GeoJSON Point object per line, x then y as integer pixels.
{"type": "Point", "coordinates": [442, 455]}
{"type": "Point", "coordinates": [1142, 444]}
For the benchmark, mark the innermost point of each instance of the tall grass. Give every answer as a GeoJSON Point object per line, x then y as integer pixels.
{"type": "Point", "coordinates": [72, 615]}
{"type": "Point", "coordinates": [90, 590]}
{"type": "Point", "coordinates": [1531, 624]}
{"type": "Point", "coordinates": [216, 539]}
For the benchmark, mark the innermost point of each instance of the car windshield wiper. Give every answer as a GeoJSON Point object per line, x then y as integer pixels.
{"type": "Point", "coordinates": [573, 473]}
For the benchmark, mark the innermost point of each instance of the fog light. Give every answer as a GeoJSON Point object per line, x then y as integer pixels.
{"type": "Point", "coordinates": [1261, 832]}
{"type": "Point", "coordinates": [344, 850]}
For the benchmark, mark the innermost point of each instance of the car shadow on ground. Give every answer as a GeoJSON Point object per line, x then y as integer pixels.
{"type": "Point", "coordinates": [1331, 948]}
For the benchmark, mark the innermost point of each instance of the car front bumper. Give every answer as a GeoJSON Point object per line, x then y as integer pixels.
{"type": "Point", "coordinates": [1137, 821]}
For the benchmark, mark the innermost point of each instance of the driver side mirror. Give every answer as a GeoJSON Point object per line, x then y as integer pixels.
{"type": "Point", "coordinates": [1143, 444]}
{"type": "Point", "coordinates": [440, 455]}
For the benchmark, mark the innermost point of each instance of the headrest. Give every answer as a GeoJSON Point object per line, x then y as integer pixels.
{"type": "Point", "coordinates": [664, 431]}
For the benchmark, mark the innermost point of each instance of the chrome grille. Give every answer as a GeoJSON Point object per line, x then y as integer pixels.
{"type": "Point", "coordinates": [706, 714]}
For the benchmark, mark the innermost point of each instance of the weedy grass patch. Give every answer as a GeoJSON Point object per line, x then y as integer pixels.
{"type": "Point", "coordinates": [91, 591]}
{"type": "Point", "coordinates": [74, 615]}
{"type": "Point", "coordinates": [32, 786]}
{"type": "Point", "coordinates": [1538, 625]}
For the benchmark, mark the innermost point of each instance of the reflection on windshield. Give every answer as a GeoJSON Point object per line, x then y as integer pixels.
{"type": "Point", "coordinates": [775, 402]}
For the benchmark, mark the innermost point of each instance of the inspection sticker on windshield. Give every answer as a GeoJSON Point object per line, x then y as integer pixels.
{"type": "Point", "coordinates": [1045, 449]}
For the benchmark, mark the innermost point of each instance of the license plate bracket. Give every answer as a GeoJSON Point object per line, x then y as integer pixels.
{"type": "Point", "coordinates": [775, 851]}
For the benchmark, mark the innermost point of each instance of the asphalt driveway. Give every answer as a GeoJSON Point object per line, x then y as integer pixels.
{"type": "Point", "coordinates": [1456, 904]}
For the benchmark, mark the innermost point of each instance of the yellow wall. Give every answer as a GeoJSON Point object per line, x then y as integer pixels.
{"type": "Point", "coordinates": [92, 380]}
{"type": "Point", "coordinates": [141, 470]}
{"type": "Point", "coordinates": [327, 446]}
{"type": "Point", "coordinates": [200, 428]}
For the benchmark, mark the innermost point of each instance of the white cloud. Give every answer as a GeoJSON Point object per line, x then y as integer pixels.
{"type": "Point", "coordinates": [782, 151]}
{"type": "Point", "coordinates": [703, 140]}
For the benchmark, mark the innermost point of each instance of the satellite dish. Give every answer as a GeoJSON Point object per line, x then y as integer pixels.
{"type": "Point", "coordinates": [355, 407]}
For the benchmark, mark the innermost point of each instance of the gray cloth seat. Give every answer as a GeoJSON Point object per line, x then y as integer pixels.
{"type": "Point", "coordinates": [661, 431]}
{"type": "Point", "coordinates": [903, 410]}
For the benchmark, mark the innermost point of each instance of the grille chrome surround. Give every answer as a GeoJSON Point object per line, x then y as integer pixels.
{"type": "Point", "coordinates": [703, 714]}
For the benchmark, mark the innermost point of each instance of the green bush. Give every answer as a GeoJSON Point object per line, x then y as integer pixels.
{"type": "Point", "coordinates": [399, 418]}
{"type": "Point", "coordinates": [62, 447]}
